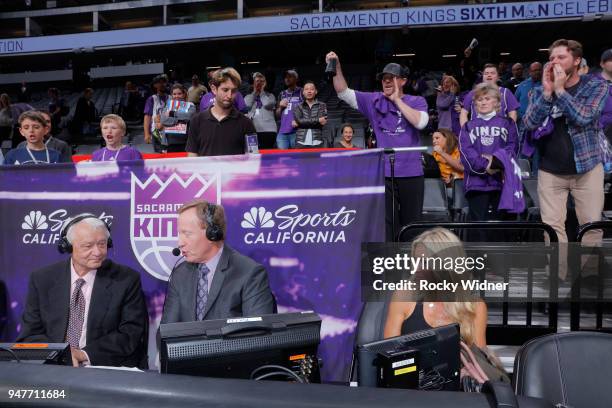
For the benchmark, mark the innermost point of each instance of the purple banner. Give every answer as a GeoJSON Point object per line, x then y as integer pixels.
{"type": "Point", "coordinates": [302, 215]}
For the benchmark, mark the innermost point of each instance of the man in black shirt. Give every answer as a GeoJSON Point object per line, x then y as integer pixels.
{"type": "Point", "coordinates": [221, 129]}
{"type": "Point", "coordinates": [557, 151]}
{"type": "Point", "coordinates": [516, 79]}
{"type": "Point", "coordinates": [570, 156]}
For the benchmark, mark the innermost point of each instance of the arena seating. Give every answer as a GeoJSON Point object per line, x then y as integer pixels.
{"type": "Point", "coordinates": [569, 369]}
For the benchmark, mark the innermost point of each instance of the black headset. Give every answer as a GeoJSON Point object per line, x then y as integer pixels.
{"type": "Point", "coordinates": [65, 247]}
{"type": "Point", "coordinates": [214, 232]}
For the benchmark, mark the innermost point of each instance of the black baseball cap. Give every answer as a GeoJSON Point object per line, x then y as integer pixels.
{"type": "Point", "coordinates": [607, 55]}
{"type": "Point", "coordinates": [393, 69]}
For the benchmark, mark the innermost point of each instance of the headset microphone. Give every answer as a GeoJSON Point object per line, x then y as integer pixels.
{"type": "Point", "coordinates": [176, 251]}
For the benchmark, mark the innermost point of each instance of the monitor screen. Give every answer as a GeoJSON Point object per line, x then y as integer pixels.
{"type": "Point", "coordinates": [248, 347]}
{"type": "Point", "coordinates": [434, 354]}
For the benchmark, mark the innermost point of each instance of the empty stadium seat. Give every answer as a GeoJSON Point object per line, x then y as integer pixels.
{"type": "Point", "coordinates": [570, 369]}
{"type": "Point", "coordinates": [435, 203]}
{"type": "Point", "coordinates": [525, 166]}
{"type": "Point", "coordinates": [532, 201]}
{"type": "Point", "coordinates": [459, 204]}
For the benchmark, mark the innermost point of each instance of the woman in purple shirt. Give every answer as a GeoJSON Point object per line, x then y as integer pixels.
{"type": "Point", "coordinates": [396, 119]}
{"type": "Point", "coordinates": [113, 130]}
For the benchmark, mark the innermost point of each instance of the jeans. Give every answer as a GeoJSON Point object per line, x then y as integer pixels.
{"type": "Point", "coordinates": [285, 140]}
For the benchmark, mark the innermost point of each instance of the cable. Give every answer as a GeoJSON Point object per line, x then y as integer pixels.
{"type": "Point", "coordinates": [432, 381]}
{"type": "Point", "coordinates": [273, 374]}
{"type": "Point", "coordinates": [277, 367]}
{"type": "Point", "coordinates": [11, 352]}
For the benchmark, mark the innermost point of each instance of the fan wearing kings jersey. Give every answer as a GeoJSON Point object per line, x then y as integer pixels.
{"type": "Point", "coordinates": [488, 144]}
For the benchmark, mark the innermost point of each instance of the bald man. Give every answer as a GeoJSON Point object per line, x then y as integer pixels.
{"type": "Point", "coordinates": [517, 77]}
{"type": "Point", "coordinates": [522, 91]}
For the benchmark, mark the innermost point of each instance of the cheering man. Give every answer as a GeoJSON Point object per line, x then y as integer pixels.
{"type": "Point", "coordinates": [396, 119]}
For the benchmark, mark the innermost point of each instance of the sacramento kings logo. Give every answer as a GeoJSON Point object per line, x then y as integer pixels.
{"type": "Point", "coordinates": [153, 215]}
{"type": "Point", "coordinates": [487, 140]}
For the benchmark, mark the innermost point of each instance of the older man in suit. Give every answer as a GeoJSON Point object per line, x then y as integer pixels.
{"type": "Point", "coordinates": [88, 301]}
{"type": "Point", "coordinates": [215, 282]}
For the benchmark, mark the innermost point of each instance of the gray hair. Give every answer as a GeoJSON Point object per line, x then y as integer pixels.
{"type": "Point", "coordinates": [94, 222]}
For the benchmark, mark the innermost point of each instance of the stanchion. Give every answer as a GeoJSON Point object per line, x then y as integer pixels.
{"type": "Point", "coordinates": [391, 152]}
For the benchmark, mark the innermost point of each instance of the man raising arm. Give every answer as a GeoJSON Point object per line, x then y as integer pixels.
{"type": "Point", "coordinates": [396, 119]}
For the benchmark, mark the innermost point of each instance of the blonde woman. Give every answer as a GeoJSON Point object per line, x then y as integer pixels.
{"type": "Point", "coordinates": [405, 317]}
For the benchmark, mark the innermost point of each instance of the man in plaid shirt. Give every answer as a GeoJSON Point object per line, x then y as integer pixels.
{"type": "Point", "coordinates": [571, 156]}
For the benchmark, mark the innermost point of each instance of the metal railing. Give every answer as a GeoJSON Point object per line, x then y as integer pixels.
{"type": "Point", "coordinates": [599, 304]}
{"type": "Point", "coordinates": [506, 333]}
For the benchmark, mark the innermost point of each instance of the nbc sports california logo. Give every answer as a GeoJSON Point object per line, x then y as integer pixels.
{"type": "Point", "coordinates": [35, 220]}
{"type": "Point", "coordinates": [40, 228]}
{"type": "Point", "coordinates": [153, 215]}
{"type": "Point", "coordinates": [288, 224]}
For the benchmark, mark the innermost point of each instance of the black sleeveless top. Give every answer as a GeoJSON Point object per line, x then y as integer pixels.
{"type": "Point", "coordinates": [416, 321]}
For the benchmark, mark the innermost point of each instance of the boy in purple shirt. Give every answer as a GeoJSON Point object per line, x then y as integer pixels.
{"type": "Point", "coordinates": [508, 102]}
{"type": "Point", "coordinates": [287, 100]}
{"type": "Point", "coordinates": [483, 138]}
{"type": "Point", "coordinates": [113, 130]}
{"type": "Point", "coordinates": [396, 119]}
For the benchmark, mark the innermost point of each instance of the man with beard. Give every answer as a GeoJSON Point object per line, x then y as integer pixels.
{"type": "Point", "coordinates": [396, 119]}
{"type": "Point", "coordinates": [220, 129]}
{"type": "Point", "coordinates": [570, 156]}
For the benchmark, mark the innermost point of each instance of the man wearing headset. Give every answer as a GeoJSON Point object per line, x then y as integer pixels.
{"type": "Point", "coordinates": [88, 301]}
{"type": "Point", "coordinates": [215, 282]}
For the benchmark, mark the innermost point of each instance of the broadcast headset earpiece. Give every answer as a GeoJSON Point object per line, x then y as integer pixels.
{"type": "Point", "coordinates": [213, 231]}
{"type": "Point", "coordinates": [65, 247]}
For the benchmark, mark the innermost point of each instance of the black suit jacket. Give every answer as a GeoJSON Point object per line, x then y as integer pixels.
{"type": "Point", "coordinates": [239, 288]}
{"type": "Point", "coordinates": [117, 319]}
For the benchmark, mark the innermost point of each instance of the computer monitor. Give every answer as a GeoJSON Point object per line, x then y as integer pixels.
{"type": "Point", "coordinates": [41, 353]}
{"type": "Point", "coordinates": [240, 347]}
{"type": "Point", "coordinates": [427, 359]}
